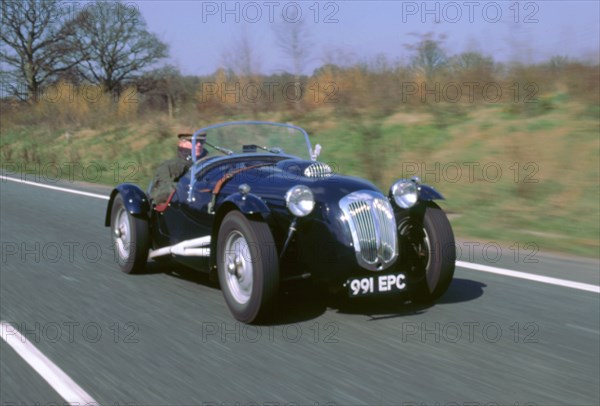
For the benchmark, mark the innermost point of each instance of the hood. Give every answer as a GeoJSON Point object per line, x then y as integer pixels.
{"type": "Point", "coordinates": [273, 181]}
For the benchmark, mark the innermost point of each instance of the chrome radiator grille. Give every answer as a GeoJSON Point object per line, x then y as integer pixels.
{"type": "Point", "coordinates": [318, 170]}
{"type": "Point", "coordinates": [373, 227]}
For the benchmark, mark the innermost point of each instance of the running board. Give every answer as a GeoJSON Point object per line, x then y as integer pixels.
{"type": "Point", "coordinates": [196, 247]}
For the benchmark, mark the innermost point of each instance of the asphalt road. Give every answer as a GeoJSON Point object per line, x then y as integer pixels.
{"type": "Point", "coordinates": [166, 337]}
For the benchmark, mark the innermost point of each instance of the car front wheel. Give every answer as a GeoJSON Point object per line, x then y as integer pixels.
{"type": "Point", "coordinates": [130, 236]}
{"type": "Point", "coordinates": [432, 242]}
{"type": "Point", "coordinates": [248, 267]}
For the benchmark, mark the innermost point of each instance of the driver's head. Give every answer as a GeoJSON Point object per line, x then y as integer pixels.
{"type": "Point", "coordinates": [184, 146]}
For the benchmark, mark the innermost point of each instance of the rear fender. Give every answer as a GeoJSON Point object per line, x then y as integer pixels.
{"type": "Point", "coordinates": [135, 201]}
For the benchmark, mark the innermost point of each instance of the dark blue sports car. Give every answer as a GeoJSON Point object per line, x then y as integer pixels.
{"type": "Point", "coordinates": [261, 208]}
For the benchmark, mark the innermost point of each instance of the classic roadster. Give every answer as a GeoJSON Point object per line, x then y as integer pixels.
{"type": "Point", "coordinates": [261, 208]}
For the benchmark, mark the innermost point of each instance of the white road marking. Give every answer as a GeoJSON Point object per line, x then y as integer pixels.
{"type": "Point", "coordinates": [588, 330]}
{"type": "Point", "coordinates": [477, 267]}
{"type": "Point", "coordinates": [60, 189]}
{"type": "Point", "coordinates": [56, 378]}
{"type": "Point", "coordinates": [531, 277]}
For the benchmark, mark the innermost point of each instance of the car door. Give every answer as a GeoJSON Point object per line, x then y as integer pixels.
{"type": "Point", "coordinates": [186, 219]}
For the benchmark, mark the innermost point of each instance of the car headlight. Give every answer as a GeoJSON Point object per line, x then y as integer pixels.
{"type": "Point", "coordinates": [300, 200]}
{"type": "Point", "coordinates": [405, 193]}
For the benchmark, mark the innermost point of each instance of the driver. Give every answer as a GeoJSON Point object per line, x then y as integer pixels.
{"type": "Point", "coordinates": [169, 172]}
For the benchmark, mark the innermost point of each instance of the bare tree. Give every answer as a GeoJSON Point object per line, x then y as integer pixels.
{"type": "Point", "coordinates": [429, 55]}
{"type": "Point", "coordinates": [241, 57]}
{"type": "Point", "coordinates": [243, 61]}
{"type": "Point", "coordinates": [116, 44]}
{"type": "Point", "coordinates": [166, 83]}
{"type": "Point", "coordinates": [468, 61]}
{"type": "Point", "coordinates": [294, 40]}
{"type": "Point", "coordinates": [36, 44]}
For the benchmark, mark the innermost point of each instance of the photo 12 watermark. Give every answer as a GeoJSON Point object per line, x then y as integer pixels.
{"type": "Point", "coordinates": [492, 252]}
{"type": "Point", "coordinates": [52, 252]}
{"type": "Point", "coordinates": [471, 171]}
{"type": "Point", "coordinates": [70, 93]}
{"type": "Point", "coordinates": [469, 332]}
{"type": "Point", "coordinates": [71, 331]}
{"type": "Point", "coordinates": [53, 12]}
{"type": "Point", "coordinates": [469, 92]}
{"type": "Point", "coordinates": [453, 12]}
{"type": "Point", "coordinates": [269, 91]}
{"type": "Point", "coordinates": [318, 12]}
{"type": "Point", "coordinates": [274, 403]}
{"type": "Point", "coordinates": [72, 171]}
{"type": "Point", "coordinates": [468, 403]}
{"type": "Point", "coordinates": [316, 332]}
{"type": "Point", "coordinates": [64, 252]}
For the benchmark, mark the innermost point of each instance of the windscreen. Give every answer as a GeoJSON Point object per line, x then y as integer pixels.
{"type": "Point", "coordinates": [256, 137]}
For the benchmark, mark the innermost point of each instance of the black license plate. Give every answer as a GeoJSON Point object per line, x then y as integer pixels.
{"type": "Point", "coordinates": [373, 285]}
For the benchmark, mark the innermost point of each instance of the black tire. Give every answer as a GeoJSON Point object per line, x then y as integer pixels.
{"type": "Point", "coordinates": [438, 255]}
{"type": "Point", "coordinates": [245, 248]}
{"type": "Point", "coordinates": [131, 238]}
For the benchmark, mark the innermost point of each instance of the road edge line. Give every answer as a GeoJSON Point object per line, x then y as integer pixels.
{"type": "Point", "coordinates": [61, 189]}
{"type": "Point", "coordinates": [529, 276]}
{"type": "Point", "coordinates": [52, 374]}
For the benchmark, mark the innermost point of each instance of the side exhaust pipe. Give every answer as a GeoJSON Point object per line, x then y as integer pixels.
{"type": "Point", "coordinates": [196, 247]}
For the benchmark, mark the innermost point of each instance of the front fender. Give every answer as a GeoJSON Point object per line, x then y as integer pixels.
{"type": "Point", "coordinates": [428, 193]}
{"type": "Point", "coordinates": [249, 204]}
{"type": "Point", "coordinates": [134, 199]}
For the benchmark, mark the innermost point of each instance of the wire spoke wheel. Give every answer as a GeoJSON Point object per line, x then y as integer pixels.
{"type": "Point", "coordinates": [130, 236]}
{"type": "Point", "coordinates": [248, 267]}
{"type": "Point", "coordinates": [238, 262]}
{"type": "Point", "coordinates": [122, 234]}
{"type": "Point", "coordinates": [418, 242]}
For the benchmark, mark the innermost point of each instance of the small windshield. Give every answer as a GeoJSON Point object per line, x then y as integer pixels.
{"type": "Point", "coordinates": [256, 137]}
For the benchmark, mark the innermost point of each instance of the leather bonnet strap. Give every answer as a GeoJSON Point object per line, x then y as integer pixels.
{"type": "Point", "coordinates": [228, 176]}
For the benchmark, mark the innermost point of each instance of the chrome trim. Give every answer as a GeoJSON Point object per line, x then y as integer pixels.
{"type": "Point", "coordinates": [370, 217]}
{"type": "Point", "coordinates": [318, 170]}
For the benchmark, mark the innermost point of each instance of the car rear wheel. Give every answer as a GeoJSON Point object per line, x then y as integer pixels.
{"type": "Point", "coordinates": [248, 267]}
{"type": "Point", "coordinates": [433, 243]}
{"type": "Point", "coordinates": [130, 236]}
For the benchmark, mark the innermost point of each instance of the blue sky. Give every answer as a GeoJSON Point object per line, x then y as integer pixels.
{"type": "Point", "coordinates": [200, 33]}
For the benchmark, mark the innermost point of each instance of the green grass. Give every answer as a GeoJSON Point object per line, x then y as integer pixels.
{"type": "Point", "coordinates": [542, 125]}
